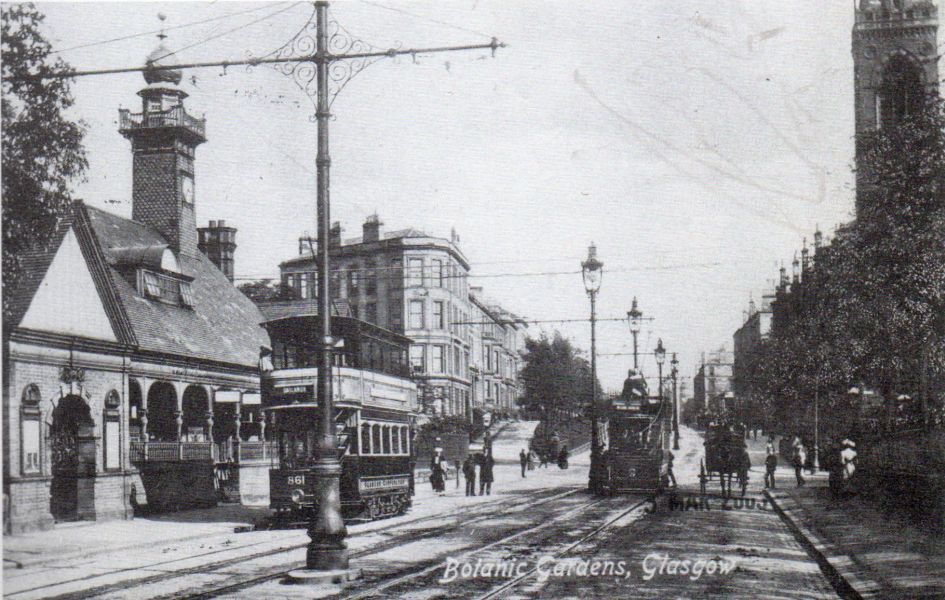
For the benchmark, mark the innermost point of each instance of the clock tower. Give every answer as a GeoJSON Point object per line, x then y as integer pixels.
{"type": "Point", "coordinates": [895, 66]}
{"type": "Point", "coordinates": [164, 138]}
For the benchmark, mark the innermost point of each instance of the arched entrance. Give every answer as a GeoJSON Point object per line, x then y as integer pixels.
{"type": "Point", "coordinates": [72, 444]}
{"type": "Point", "coordinates": [162, 406]}
{"type": "Point", "coordinates": [195, 406]}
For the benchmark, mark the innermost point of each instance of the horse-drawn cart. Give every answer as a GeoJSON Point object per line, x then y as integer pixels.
{"type": "Point", "coordinates": [725, 455]}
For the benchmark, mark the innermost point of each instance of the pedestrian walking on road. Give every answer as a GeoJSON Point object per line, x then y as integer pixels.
{"type": "Point", "coordinates": [848, 459]}
{"type": "Point", "coordinates": [771, 465]}
{"type": "Point", "coordinates": [799, 458]}
{"type": "Point", "coordinates": [669, 467]}
{"type": "Point", "coordinates": [436, 473]}
{"type": "Point", "coordinates": [744, 465]}
{"type": "Point", "coordinates": [563, 457]}
{"type": "Point", "coordinates": [469, 472]}
{"type": "Point", "coordinates": [523, 459]}
{"type": "Point", "coordinates": [485, 474]}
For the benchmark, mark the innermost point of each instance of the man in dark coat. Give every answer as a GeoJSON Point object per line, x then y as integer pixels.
{"type": "Point", "coordinates": [771, 465]}
{"type": "Point", "coordinates": [563, 457]}
{"type": "Point", "coordinates": [523, 459]}
{"type": "Point", "coordinates": [485, 474]}
{"type": "Point", "coordinates": [469, 472]}
{"type": "Point", "coordinates": [634, 388]}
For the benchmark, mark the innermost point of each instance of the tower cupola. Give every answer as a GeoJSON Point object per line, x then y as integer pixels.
{"type": "Point", "coordinates": [164, 139]}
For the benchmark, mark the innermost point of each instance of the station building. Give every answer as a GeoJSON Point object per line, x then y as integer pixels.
{"type": "Point", "coordinates": [132, 366]}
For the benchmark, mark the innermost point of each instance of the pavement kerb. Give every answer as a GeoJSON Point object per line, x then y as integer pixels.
{"type": "Point", "coordinates": [40, 560]}
{"type": "Point", "coordinates": [839, 568]}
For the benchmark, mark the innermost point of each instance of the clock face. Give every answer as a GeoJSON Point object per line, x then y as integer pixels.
{"type": "Point", "coordinates": [187, 189]}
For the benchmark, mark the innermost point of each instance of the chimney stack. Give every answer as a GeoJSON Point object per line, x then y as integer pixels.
{"type": "Point", "coordinates": [372, 229]}
{"type": "Point", "coordinates": [218, 243]}
{"type": "Point", "coordinates": [334, 235]}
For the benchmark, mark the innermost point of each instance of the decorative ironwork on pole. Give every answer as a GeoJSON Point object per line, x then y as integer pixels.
{"type": "Point", "coordinates": [346, 56]}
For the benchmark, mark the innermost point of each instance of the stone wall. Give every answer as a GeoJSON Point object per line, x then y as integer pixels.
{"type": "Point", "coordinates": [103, 494]}
{"type": "Point", "coordinates": [172, 486]}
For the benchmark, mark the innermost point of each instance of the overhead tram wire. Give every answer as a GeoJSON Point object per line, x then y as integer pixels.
{"type": "Point", "coordinates": [527, 274]}
{"type": "Point", "coordinates": [430, 19]}
{"type": "Point", "coordinates": [155, 31]}
{"type": "Point", "coordinates": [228, 31]}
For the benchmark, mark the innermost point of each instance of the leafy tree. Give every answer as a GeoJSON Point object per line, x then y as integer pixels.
{"type": "Point", "coordinates": [42, 152]}
{"type": "Point", "coordinates": [556, 380]}
{"type": "Point", "coordinates": [264, 290]}
{"type": "Point", "coordinates": [871, 309]}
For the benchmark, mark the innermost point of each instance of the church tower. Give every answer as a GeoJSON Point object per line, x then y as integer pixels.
{"type": "Point", "coordinates": [164, 138]}
{"type": "Point", "coordinates": [895, 65]}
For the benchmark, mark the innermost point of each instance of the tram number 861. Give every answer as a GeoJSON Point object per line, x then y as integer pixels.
{"type": "Point", "coordinates": [296, 479]}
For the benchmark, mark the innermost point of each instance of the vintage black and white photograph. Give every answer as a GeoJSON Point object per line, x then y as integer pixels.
{"type": "Point", "coordinates": [473, 299]}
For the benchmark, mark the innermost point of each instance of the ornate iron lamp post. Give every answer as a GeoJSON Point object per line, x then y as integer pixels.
{"type": "Point", "coordinates": [634, 317]}
{"type": "Point", "coordinates": [674, 373]}
{"type": "Point", "coordinates": [660, 354]}
{"type": "Point", "coordinates": [593, 271]}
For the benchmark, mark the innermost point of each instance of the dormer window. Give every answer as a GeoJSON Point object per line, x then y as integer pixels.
{"type": "Point", "coordinates": [186, 294]}
{"type": "Point", "coordinates": [167, 288]}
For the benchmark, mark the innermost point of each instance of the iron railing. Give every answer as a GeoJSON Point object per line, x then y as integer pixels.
{"type": "Point", "coordinates": [172, 117]}
{"type": "Point", "coordinates": [171, 451]}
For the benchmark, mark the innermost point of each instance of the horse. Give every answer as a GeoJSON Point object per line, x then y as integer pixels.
{"type": "Point", "coordinates": [724, 456]}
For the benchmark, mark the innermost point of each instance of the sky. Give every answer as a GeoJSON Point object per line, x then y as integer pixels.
{"type": "Point", "coordinates": [695, 143]}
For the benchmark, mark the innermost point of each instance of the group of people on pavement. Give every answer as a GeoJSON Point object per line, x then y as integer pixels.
{"type": "Point", "coordinates": [838, 460]}
{"type": "Point", "coordinates": [486, 476]}
{"type": "Point", "coordinates": [483, 460]}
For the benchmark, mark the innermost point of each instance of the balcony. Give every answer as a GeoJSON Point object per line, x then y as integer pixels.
{"type": "Point", "coordinates": [174, 117]}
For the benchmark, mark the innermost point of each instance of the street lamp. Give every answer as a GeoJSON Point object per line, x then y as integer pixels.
{"type": "Point", "coordinates": [660, 354]}
{"type": "Point", "coordinates": [674, 373]}
{"type": "Point", "coordinates": [593, 271]}
{"type": "Point", "coordinates": [634, 317]}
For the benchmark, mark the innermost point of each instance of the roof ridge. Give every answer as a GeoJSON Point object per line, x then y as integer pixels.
{"type": "Point", "coordinates": [99, 268]}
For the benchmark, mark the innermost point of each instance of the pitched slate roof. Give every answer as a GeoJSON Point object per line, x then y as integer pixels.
{"type": "Point", "coordinates": [223, 325]}
{"type": "Point", "coordinates": [34, 264]}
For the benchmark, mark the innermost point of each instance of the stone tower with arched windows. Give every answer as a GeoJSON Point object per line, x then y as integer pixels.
{"type": "Point", "coordinates": [895, 64]}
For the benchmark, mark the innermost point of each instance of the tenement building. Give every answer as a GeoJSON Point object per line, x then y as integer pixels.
{"type": "Point", "coordinates": [416, 285]}
{"type": "Point", "coordinates": [130, 352]}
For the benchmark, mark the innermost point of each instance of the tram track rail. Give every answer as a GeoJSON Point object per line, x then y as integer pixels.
{"type": "Point", "coordinates": [513, 583]}
{"type": "Point", "coordinates": [436, 565]}
{"type": "Point", "coordinates": [477, 513]}
{"type": "Point", "coordinates": [374, 549]}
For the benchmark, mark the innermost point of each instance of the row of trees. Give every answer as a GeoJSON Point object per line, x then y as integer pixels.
{"type": "Point", "coordinates": [556, 383]}
{"type": "Point", "coordinates": [870, 311]}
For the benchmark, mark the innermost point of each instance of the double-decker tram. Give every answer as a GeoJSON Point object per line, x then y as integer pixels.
{"type": "Point", "coordinates": [637, 459]}
{"type": "Point", "coordinates": [375, 406]}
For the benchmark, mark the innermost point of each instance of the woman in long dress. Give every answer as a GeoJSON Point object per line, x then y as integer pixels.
{"type": "Point", "coordinates": [437, 479]}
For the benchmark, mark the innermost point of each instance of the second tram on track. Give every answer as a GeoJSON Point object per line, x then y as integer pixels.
{"type": "Point", "coordinates": [638, 432]}
{"type": "Point", "coordinates": [375, 409]}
